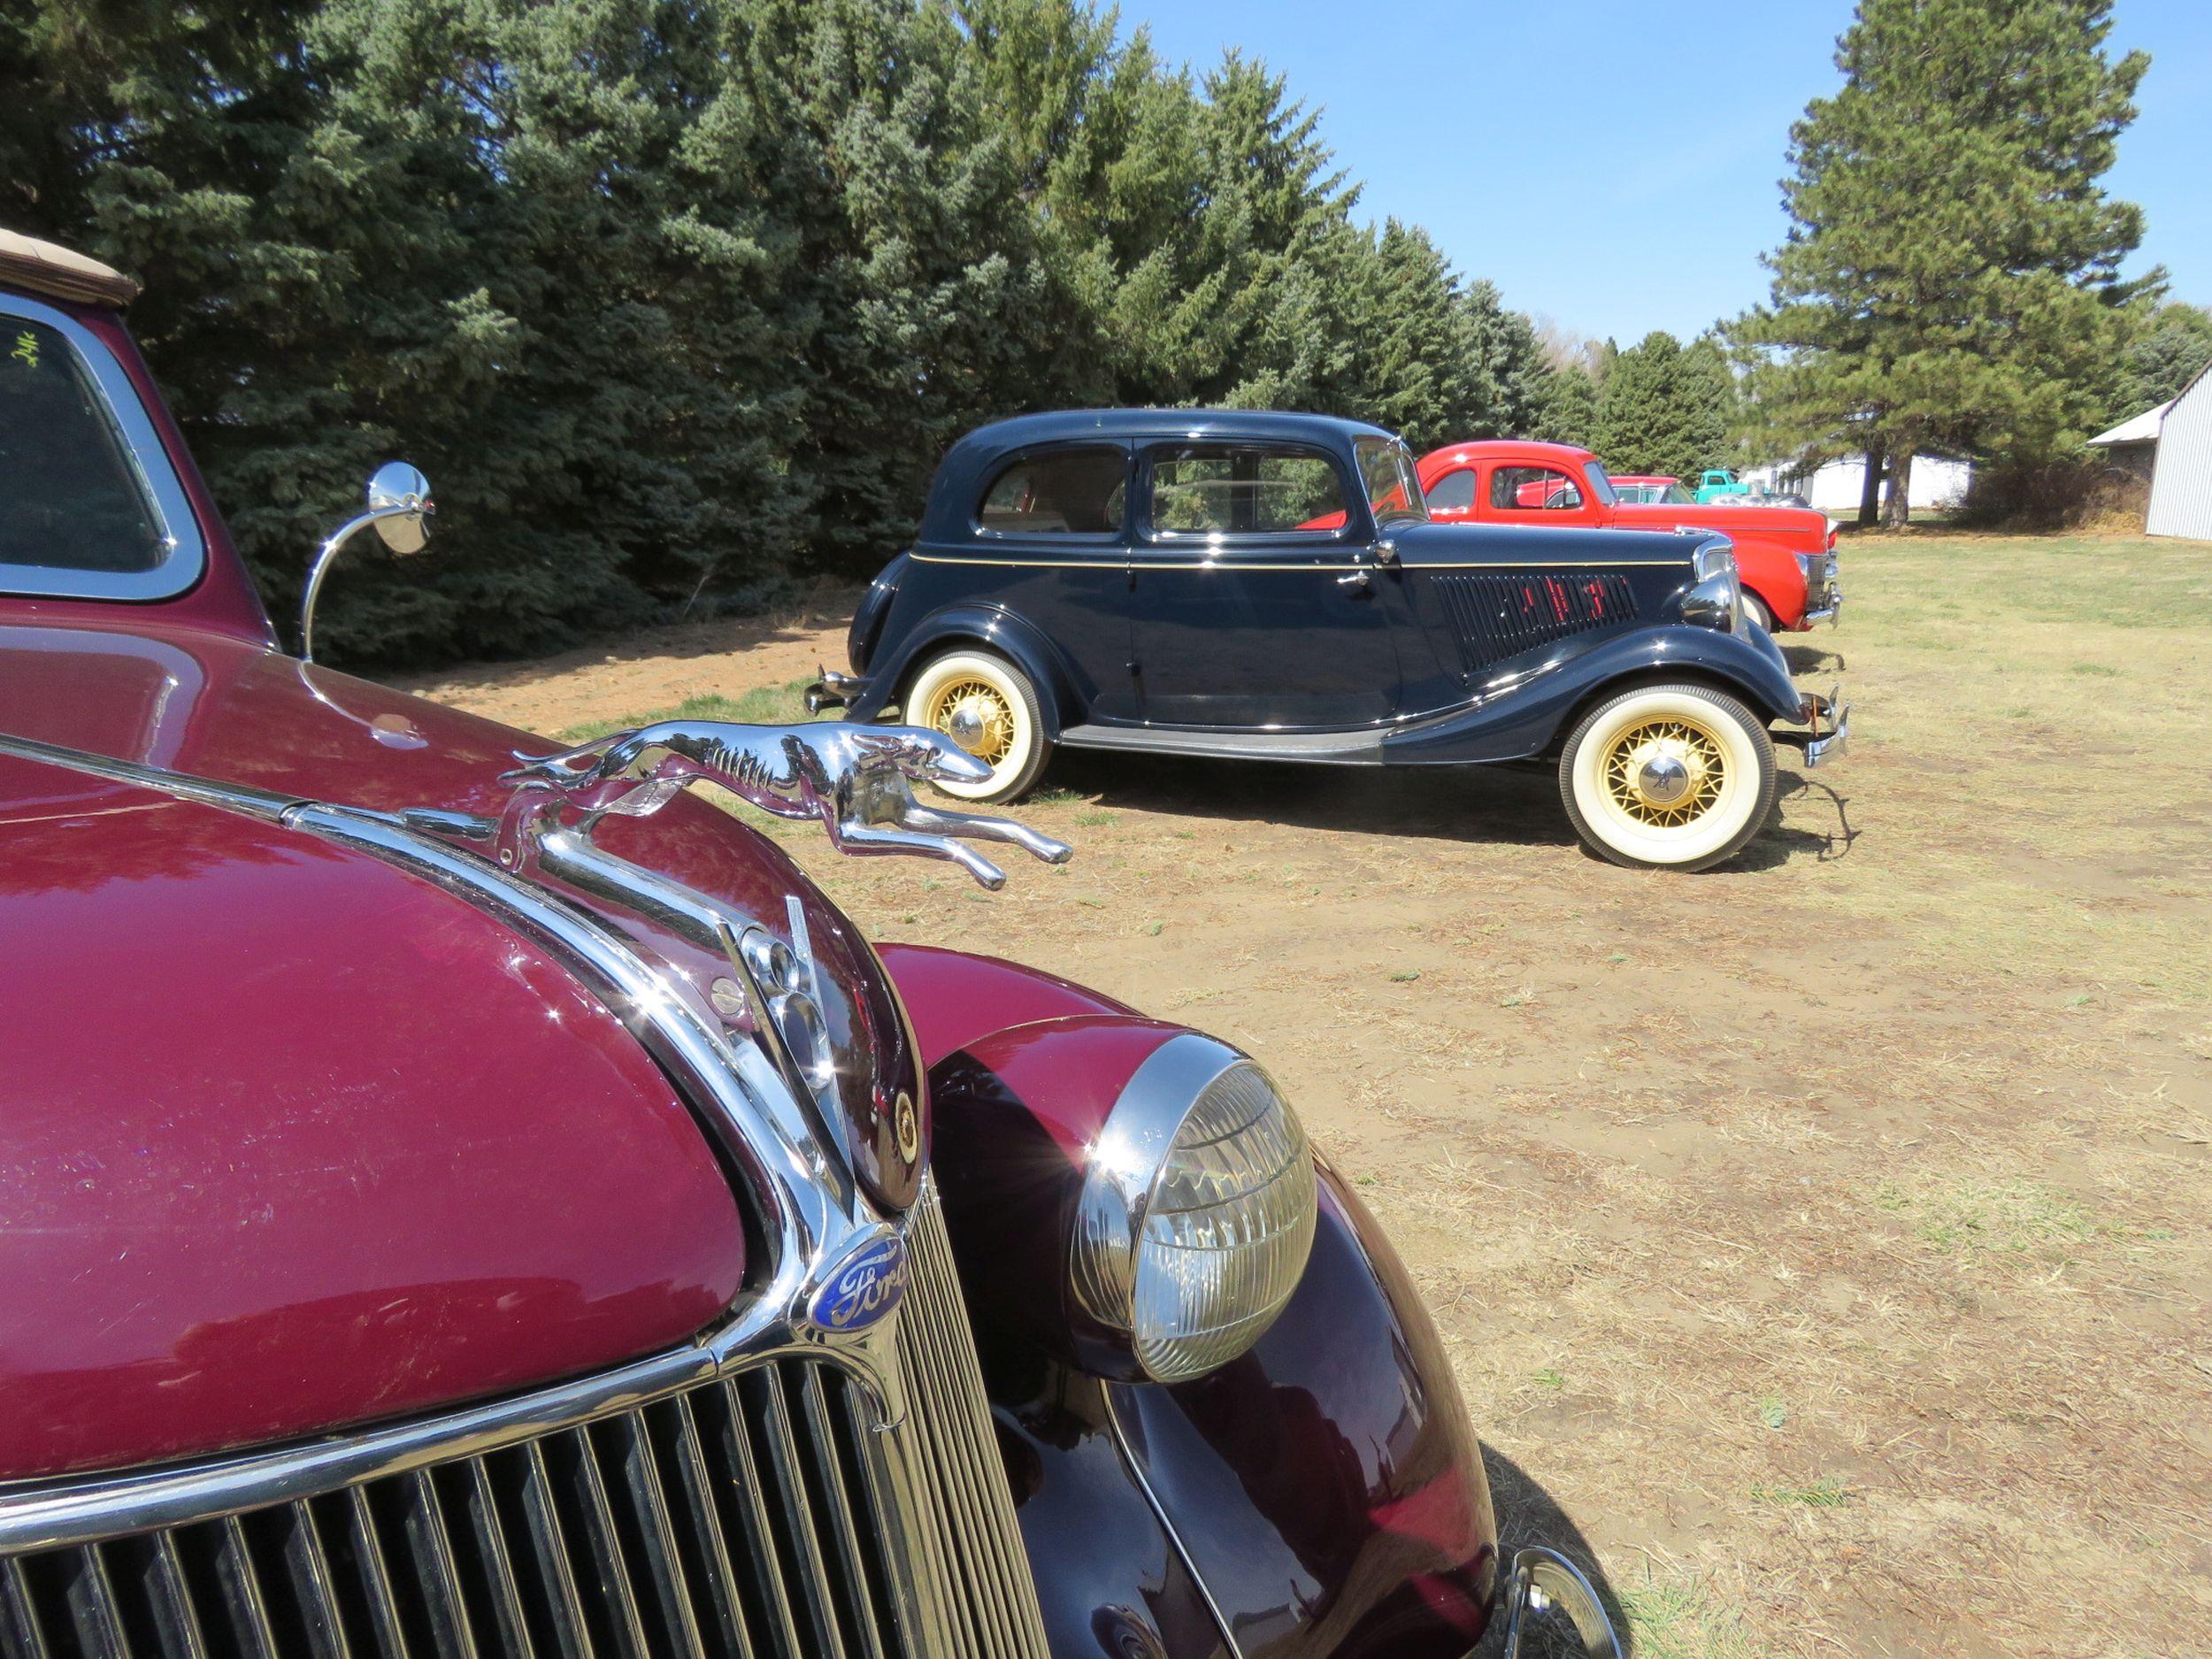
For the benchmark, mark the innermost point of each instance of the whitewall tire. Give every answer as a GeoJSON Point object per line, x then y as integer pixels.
{"type": "Point", "coordinates": [988, 706]}
{"type": "Point", "coordinates": [1755, 608]}
{"type": "Point", "coordinates": [1668, 777]}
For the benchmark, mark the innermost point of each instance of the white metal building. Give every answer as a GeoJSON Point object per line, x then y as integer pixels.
{"type": "Point", "coordinates": [2181, 483]}
{"type": "Point", "coordinates": [2132, 445]}
{"type": "Point", "coordinates": [1833, 487]}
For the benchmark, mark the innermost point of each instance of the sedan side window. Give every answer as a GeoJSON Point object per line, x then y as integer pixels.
{"type": "Point", "coordinates": [1062, 492]}
{"type": "Point", "coordinates": [1454, 492]}
{"type": "Point", "coordinates": [71, 497]}
{"type": "Point", "coordinates": [1245, 489]}
{"type": "Point", "coordinates": [1533, 489]}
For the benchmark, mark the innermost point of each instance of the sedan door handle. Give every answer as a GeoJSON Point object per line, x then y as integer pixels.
{"type": "Point", "coordinates": [1357, 578]}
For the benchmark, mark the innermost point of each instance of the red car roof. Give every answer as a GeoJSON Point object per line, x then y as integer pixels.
{"type": "Point", "coordinates": [1506, 450]}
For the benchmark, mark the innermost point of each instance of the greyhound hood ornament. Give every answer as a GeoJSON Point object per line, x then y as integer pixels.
{"type": "Point", "coordinates": [854, 779]}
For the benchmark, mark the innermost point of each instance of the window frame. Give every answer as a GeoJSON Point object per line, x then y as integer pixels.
{"type": "Point", "coordinates": [1358, 520]}
{"type": "Point", "coordinates": [1488, 493]}
{"type": "Point", "coordinates": [186, 561]}
{"type": "Point", "coordinates": [1474, 490]}
{"type": "Point", "coordinates": [1013, 458]}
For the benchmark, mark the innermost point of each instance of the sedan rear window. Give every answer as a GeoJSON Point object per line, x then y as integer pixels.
{"type": "Point", "coordinates": [1244, 489]}
{"type": "Point", "coordinates": [71, 495]}
{"type": "Point", "coordinates": [1061, 492]}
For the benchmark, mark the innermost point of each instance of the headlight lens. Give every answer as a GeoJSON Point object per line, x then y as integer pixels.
{"type": "Point", "coordinates": [1197, 1212]}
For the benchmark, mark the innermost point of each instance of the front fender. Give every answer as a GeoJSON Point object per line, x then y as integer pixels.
{"type": "Point", "coordinates": [1328, 1486]}
{"type": "Point", "coordinates": [1527, 714]}
{"type": "Point", "coordinates": [1770, 568]}
{"type": "Point", "coordinates": [992, 628]}
{"type": "Point", "coordinates": [1321, 1497]}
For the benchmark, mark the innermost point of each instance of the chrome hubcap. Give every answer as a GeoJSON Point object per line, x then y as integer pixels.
{"type": "Point", "coordinates": [1663, 779]}
{"type": "Point", "coordinates": [1664, 774]}
{"type": "Point", "coordinates": [966, 725]}
{"type": "Point", "coordinates": [976, 715]}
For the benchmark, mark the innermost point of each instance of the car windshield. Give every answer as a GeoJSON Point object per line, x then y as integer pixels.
{"type": "Point", "coordinates": [1679, 496]}
{"type": "Point", "coordinates": [1601, 486]}
{"type": "Point", "coordinates": [70, 495]}
{"type": "Point", "coordinates": [1393, 489]}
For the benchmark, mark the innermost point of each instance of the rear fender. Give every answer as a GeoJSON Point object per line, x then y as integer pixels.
{"type": "Point", "coordinates": [988, 627]}
{"type": "Point", "coordinates": [1529, 713]}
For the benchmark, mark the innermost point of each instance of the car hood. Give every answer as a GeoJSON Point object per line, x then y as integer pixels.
{"type": "Point", "coordinates": [1801, 527]}
{"type": "Point", "coordinates": [1446, 543]}
{"type": "Point", "coordinates": [292, 1139]}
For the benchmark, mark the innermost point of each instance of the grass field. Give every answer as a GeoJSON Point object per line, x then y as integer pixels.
{"type": "Point", "coordinates": [1824, 1244]}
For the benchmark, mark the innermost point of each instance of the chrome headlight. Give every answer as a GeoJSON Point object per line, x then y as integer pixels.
{"type": "Point", "coordinates": [1197, 1212]}
{"type": "Point", "coordinates": [1715, 599]}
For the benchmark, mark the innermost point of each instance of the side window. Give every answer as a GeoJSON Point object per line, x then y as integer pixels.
{"type": "Point", "coordinates": [1533, 489]}
{"type": "Point", "coordinates": [70, 495]}
{"type": "Point", "coordinates": [1062, 492]}
{"type": "Point", "coordinates": [1245, 489]}
{"type": "Point", "coordinates": [1454, 492]}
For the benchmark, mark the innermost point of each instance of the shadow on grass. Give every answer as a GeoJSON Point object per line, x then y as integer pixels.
{"type": "Point", "coordinates": [1825, 844]}
{"type": "Point", "coordinates": [1814, 659]}
{"type": "Point", "coordinates": [1527, 1515]}
{"type": "Point", "coordinates": [1507, 804]}
{"type": "Point", "coordinates": [1474, 804]}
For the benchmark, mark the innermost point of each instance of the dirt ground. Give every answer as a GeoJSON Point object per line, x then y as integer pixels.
{"type": "Point", "coordinates": [1823, 1243]}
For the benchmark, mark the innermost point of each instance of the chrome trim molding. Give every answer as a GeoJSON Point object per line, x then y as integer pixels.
{"type": "Point", "coordinates": [1135, 1467]}
{"type": "Point", "coordinates": [1121, 559]}
{"type": "Point", "coordinates": [164, 490]}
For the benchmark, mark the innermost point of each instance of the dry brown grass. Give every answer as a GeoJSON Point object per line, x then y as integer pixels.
{"type": "Point", "coordinates": [1822, 1244]}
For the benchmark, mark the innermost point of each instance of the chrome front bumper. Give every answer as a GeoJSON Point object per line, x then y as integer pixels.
{"type": "Point", "coordinates": [832, 690]}
{"type": "Point", "coordinates": [1828, 728]}
{"type": "Point", "coordinates": [1544, 1581]}
{"type": "Point", "coordinates": [1824, 599]}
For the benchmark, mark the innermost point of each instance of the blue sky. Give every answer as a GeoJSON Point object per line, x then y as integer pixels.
{"type": "Point", "coordinates": [1612, 164]}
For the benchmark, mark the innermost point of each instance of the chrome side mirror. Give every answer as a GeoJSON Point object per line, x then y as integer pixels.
{"type": "Point", "coordinates": [403, 492]}
{"type": "Point", "coordinates": [400, 508]}
{"type": "Point", "coordinates": [1384, 552]}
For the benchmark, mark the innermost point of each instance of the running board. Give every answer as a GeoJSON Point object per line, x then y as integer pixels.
{"type": "Point", "coordinates": [1356, 749]}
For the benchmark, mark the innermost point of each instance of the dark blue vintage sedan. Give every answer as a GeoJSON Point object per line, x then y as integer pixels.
{"type": "Point", "coordinates": [1256, 586]}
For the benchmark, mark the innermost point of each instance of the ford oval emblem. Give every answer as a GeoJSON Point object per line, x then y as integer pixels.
{"type": "Point", "coordinates": [861, 1289]}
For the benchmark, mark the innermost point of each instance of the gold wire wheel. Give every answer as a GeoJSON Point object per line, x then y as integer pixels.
{"type": "Point", "coordinates": [974, 714]}
{"type": "Point", "coordinates": [1665, 773]}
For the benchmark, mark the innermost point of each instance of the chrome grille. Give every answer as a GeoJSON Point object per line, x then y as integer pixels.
{"type": "Point", "coordinates": [1494, 615]}
{"type": "Point", "coordinates": [765, 1513]}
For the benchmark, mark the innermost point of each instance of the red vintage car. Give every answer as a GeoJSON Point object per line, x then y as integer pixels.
{"type": "Point", "coordinates": [465, 1197]}
{"type": "Point", "coordinates": [1787, 555]}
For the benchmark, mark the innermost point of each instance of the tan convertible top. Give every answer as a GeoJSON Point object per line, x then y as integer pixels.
{"type": "Point", "coordinates": [46, 267]}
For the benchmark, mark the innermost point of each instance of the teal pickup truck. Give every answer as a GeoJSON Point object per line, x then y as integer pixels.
{"type": "Point", "coordinates": [1719, 484]}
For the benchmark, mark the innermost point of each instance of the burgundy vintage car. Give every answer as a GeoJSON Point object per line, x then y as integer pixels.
{"type": "Point", "coordinates": [460, 1197]}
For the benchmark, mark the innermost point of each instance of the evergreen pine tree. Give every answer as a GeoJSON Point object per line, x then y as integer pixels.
{"type": "Point", "coordinates": [2171, 349]}
{"type": "Point", "coordinates": [1951, 273]}
{"type": "Point", "coordinates": [1568, 411]}
{"type": "Point", "coordinates": [1666, 408]}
